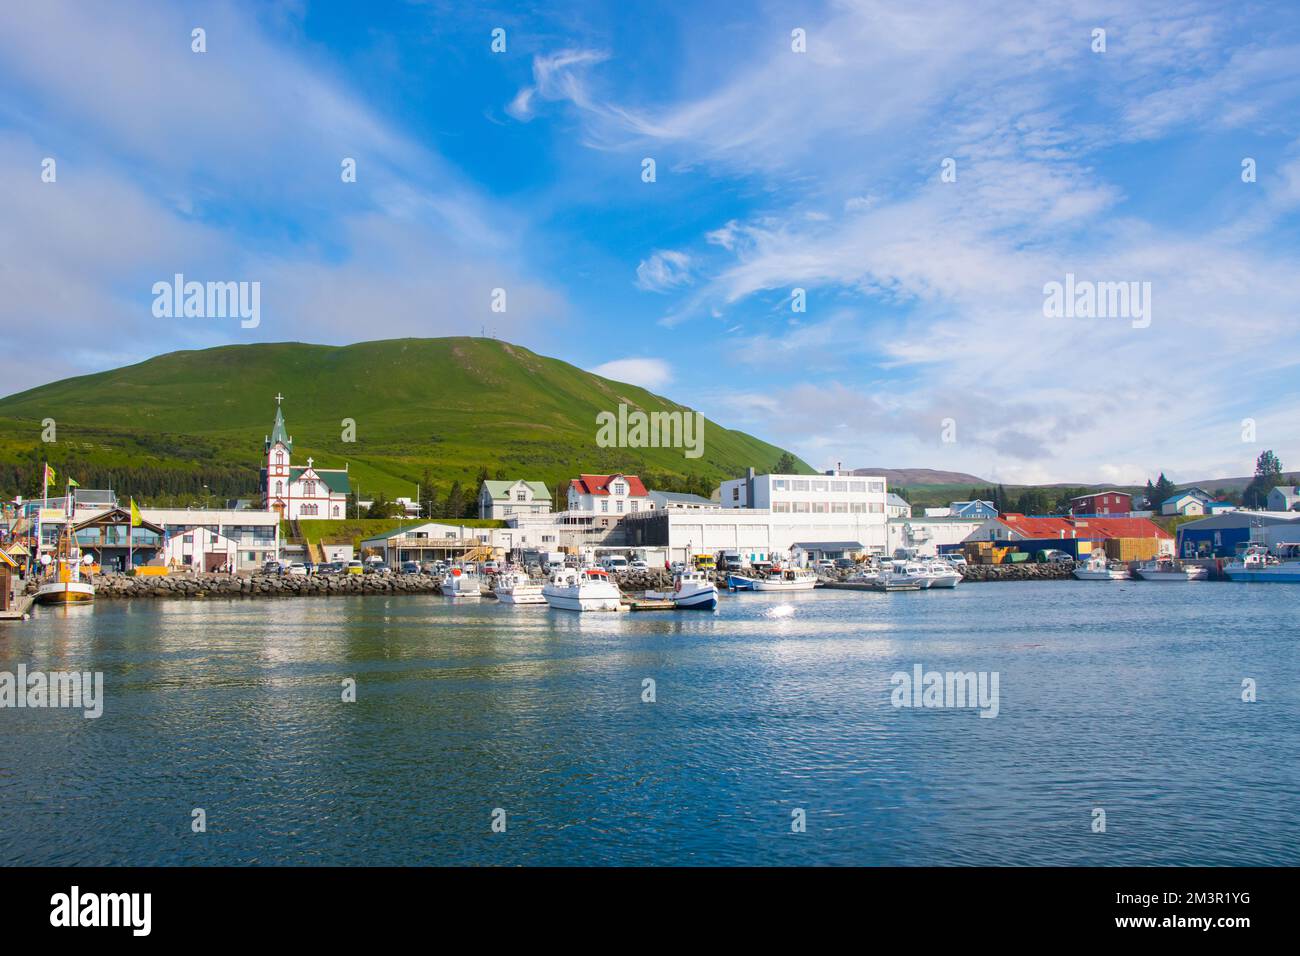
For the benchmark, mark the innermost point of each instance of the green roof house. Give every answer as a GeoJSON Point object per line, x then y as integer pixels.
{"type": "Point", "coordinates": [504, 499]}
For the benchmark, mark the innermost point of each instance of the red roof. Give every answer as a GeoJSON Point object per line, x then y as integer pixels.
{"type": "Point", "coordinates": [1090, 527]}
{"type": "Point", "coordinates": [599, 485]}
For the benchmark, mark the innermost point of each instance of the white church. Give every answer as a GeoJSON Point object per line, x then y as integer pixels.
{"type": "Point", "coordinates": [309, 492]}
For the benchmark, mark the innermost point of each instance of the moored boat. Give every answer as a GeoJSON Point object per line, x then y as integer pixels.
{"type": "Point", "coordinates": [1258, 564]}
{"type": "Point", "coordinates": [1167, 569]}
{"type": "Point", "coordinates": [589, 589]}
{"type": "Point", "coordinates": [65, 584]}
{"type": "Point", "coordinates": [461, 583]}
{"type": "Point", "coordinates": [1097, 568]}
{"type": "Point", "coordinates": [787, 579]}
{"type": "Point", "coordinates": [515, 587]}
{"type": "Point", "coordinates": [691, 589]}
{"type": "Point", "coordinates": [739, 582]}
{"type": "Point", "coordinates": [942, 574]}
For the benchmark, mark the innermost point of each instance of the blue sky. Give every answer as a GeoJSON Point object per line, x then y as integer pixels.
{"type": "Point", "coordinates": [775, 170]}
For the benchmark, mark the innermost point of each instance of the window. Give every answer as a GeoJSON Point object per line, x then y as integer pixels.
{"type": "Point", "coordinates": [877, 486]}
{"type": "Point", "coordinates": [336, 511]}
{"type": "Point", "coordinates": [859, 508]}
{"type": "Point", "coordinates": [801, 507]}
{"type": "Point", "coordinates": [620, 488]}
{"type": "Point", "coordinates": [781, 508]}
{"type": "Point", "coordinates": [510, 510]}
{"type": "Point", "coordinates": [819, 507]}
{"type": "Point", "coordinates": [840, 508]}
{"type": "Point", "coordinates": [619, 505]}
{"type": "Point", "coordinates": [309, 488]}
{"type": "Point", "coordinates": [279, 458]}
{"type": "Point", "coordinates": [877, 508]}
{"type": "Point", "coordinates": [778, 484]}
{"type": "Point", "coordinates": [857, 486]}
{"type": "Point", "coordinates": [839, 486]}
{"type": "Point", "coordinates": [521, 496]}
{"type": "Point", "coordinates": [735, 493]}
{"type": "Point", "coordinates": [279, 487]}
{"type": "Point", "coordinates": [604, 504]}
{"type": "Point", "coordinates": [635, 505]}
{"type": "Point", "coordinates": [799, 485]}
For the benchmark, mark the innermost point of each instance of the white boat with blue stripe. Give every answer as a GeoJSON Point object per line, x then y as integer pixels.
{"type": "Point", "coordinates": [1258, 564]}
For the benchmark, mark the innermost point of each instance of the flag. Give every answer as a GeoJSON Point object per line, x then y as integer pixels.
{"type": "Point", "coordinates": [72, 483]}
{"type": "Point", "coordinates": [50, 479]}
{"type": "Point", "coordinates": [135, 515]}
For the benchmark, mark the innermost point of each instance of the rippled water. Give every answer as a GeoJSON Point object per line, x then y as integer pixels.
{"type": "Point", "coordinates": [1125, 697]}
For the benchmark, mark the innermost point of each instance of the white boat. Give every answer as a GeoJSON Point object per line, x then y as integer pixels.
{"type": "Point", "coordinates": [942, 574]}
{"type": "Point", "coordinates": [1167, 569]}
{"type": "Point", "coordinates": [691, 589]}
{"type": "Point", "coordinates": [515, 587]}
{"type": "Point", "coordinates": [460, 583]}
{"type": "Point", "coordinates": [1097, 568]}
{"type": "Point", "coordinates": [905, 576]}
{"type": "Point", "coordinates": [587, 590]}
{"type": "Point", "coordinates": [1257, 564]}
{"type": "Point", "coordinates": [787, 579]}
{"type": "Point", "coordinates": [864, 575]}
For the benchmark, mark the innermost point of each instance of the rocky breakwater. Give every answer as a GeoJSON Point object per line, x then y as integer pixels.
{"type": "Point", "coordinates": [260, 585]}
{"type": "Point", "coordinates": [1018, 572]}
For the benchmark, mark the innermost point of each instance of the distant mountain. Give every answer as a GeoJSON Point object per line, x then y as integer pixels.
{"type": "Point", "coordinates": [425, 410]}
{"type": "Point", "coordinates": [910, 477]}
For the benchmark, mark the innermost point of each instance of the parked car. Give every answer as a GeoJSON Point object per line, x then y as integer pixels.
{"type": "Point", "coordinates": [429, 567]}
{"type": "Point", "coordinates": [377, 567]}
{"type": "Point", "coordinates": [333, 567]}
{"type": "Point", "coordinates": [491, 567]}
{"type": "Point", "coordinates": [956, 560]}
{"type": "Point", "coordinates": [845, 564]}
{"type": "Point", "coordinates": [825, 564]}
{"type": "Point", "coordinates": [273, 567]}
{"type": "Point", "coordinates": [677, 566]}
{"type": "Point", "coordinates": [355, 567]}
{"type": "Point", "coordinates": [410, 567]}
{"type": "Point", "coordinates": [1053, 556]}
{"type": "Point", "coordinates": [639, 565]}
{"type": "Point", "coordinates": [297, 568]}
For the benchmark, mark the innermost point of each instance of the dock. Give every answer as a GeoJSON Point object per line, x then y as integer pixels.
{"type": "Point", "coordinates": [21, 609]}
{"type": "Point", "coordinates": [644, 605]}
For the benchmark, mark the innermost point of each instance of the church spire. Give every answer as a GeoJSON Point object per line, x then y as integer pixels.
{"type": "Point", "coordinates": [278, 432]}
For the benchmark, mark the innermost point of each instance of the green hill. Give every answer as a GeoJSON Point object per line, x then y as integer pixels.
{"type": "Point", "coordinates": [426, 410]}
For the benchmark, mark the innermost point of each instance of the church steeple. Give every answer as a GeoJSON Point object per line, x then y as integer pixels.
{"type": "Point", "coordinates": [278, 432]}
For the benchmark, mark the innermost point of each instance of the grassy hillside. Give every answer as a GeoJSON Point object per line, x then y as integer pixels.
{"type": "Point", "coordinates": [425, 410]}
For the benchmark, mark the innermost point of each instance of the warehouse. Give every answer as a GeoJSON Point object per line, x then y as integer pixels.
{"type": "Point", "coordinates": [1224, 535]}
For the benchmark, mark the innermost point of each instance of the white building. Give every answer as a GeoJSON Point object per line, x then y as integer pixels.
{"type": "Point", "coordinates": [926, 534]}
{"type": "Point", "coordinates": [504, 499]}
{"type": "Point", "coordinates": [294, 493]}
{"type": "Point", "coordinates": [661, 500]}
{"type": "Point", "coordinates": [1284, 498]}
{"type": "Point", "coordinates": [206, 539]}
{"type": "Point", "coordinates": [898, 507]}
{"type": "Point", "coordinates": [809, 495]}
{"type": "Point", "coordinates": [683, 533]}
{"type": "Point", "coordinates": [612, 495]}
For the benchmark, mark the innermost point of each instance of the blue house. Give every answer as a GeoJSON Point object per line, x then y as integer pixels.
{"type": "Point", "coordinates": [973, 509]}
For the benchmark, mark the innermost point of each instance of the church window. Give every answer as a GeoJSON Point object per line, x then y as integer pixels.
{"type": "Point", "coordinates": [279, 458]}
{"type": "Point", "coordinates": [279, 487]}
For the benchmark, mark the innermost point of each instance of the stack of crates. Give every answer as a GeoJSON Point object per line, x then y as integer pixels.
{"type": "Point", "coordinates": [1132, 549]}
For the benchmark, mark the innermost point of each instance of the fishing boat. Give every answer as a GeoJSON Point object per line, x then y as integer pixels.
{"type": "Point", "coordinates": [65, 584]}
{"type": "Point", "coordinates": [1167, 569]}
{"type": "Point", "coordinates": [787, 579]}
{"type": "Point", "coordinates": [1097, 568]}
{"type": "Point", "coordinates": [515, 587]}
{"type": "Point", "coordinates": [1258, 564]}
{"type": "Point", "coordinates": [905, 576]}
{"type": "Point", "coordinates": [460, 583]}
{"type": "Point", "coordinates": [588, 589]}
{"type": "Point", "coordinates": [691, 589]}
{"type": "Point", "coordinates": [739, 582]}
{"type": "Point", "coordinates": [941, 574]}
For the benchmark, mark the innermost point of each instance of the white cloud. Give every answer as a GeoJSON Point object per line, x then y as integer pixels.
{"type": "Point", "coordinates": [663, 271]}
{"type": "Point", "coordinates": [649, 373]}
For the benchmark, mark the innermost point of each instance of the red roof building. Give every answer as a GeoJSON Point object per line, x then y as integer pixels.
{"type": "Point", "coordinates": [1012, 526]}
{"type": "Point", "coordinates": [611, 495]}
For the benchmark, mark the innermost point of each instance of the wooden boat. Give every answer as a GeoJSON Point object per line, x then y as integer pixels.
{"type": "Point", "coordinates": [65, 584]}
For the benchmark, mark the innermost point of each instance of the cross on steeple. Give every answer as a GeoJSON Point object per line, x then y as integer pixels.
{"type": "Point", "coordinates": [278, 398]}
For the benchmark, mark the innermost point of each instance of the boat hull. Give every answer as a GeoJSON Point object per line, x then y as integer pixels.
{"type": "Point", "coordinates": [1190, 574]}
{"type": "Point", "coordinates": [738, 582]}
{"type": "Point", "coordinates": [1106, 574]}
{"type": "Point", "coordinates": [523, 595]}
{"type": "Point", "coordinates": [1277, 576]}
{"type": "Point", "coordinates": [770, 585]}
{"type": "Point", "coordinates": [568, 599]}
{"type": "Point", "coordinates": [65, 592]}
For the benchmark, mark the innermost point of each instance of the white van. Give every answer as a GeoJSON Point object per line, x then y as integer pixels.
{"type": "Point", "coordinates": [614, 562]}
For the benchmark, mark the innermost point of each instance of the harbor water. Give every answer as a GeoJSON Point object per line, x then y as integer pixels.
{"type": "Point", "coordinates": [1124, 698]}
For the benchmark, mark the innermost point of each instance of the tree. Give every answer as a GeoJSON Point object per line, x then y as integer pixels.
{"type": "Point", "coordinates": [454, 504]}
{"type": "Point", "coordinates": [1268, 469]}
{"type": "Point", "coordinates": [1164, 488]}
{"type": "Point", "coordinates": [785, 465]}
